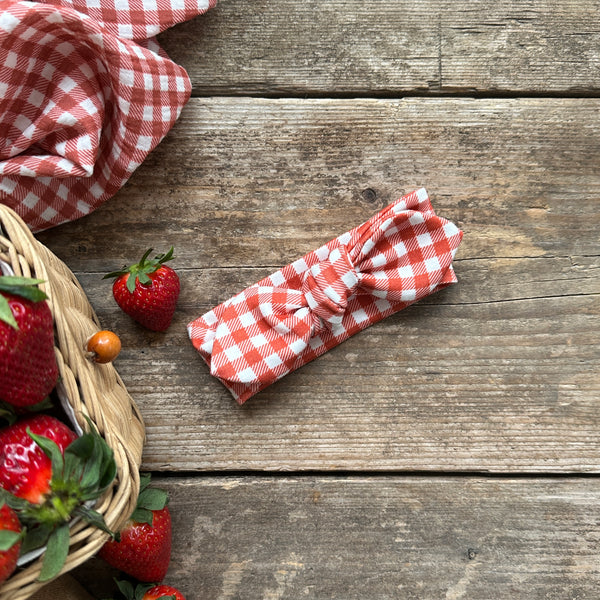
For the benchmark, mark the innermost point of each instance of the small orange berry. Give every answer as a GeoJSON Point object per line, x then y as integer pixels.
{"type": "Point", "coordinates": [104, 346]}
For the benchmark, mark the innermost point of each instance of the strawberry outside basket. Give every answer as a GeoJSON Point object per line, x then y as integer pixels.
{"type": "Point", "coordinates": [87, 389]}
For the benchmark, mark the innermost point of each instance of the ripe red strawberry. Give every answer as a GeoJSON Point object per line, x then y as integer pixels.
{"type": "Point", "coordinates": [48, 478]}
{"type": "Point", "coordinates": [10, 541]}
{"type": "Point", "coordinates": [164, 592]}
{"type": "Point", "coordinates": [148, 291]}
{"type": "Point", "coordinates": [144, 549]}
{"type": "Point", "coordinates": [149, 591]}
{"type": "Point", "coordinates": [25, 470]}
{"type": "Point", "coordinates": [28, 368]}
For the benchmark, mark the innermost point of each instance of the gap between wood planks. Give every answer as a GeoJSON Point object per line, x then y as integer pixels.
{"type": "Point", "coordinates": [347, 474]}
{"type": "Point", "coordinates": [449, 93]}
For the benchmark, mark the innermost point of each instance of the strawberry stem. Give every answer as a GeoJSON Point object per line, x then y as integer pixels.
{"type": "Point", "coordinates": [61, 510]}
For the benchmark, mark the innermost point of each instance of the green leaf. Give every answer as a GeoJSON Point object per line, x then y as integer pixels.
{"type": "Point", "coordinates": [153, 499]}
{"type": "Point", "coordinates": [144, 279]}
{"type": "Point", "coordinates": [107, 476]}
{"type": "Point", "coordinates": [94, 518]}
{"type": "Point", "coordinates": [6, 314]}
{"type": "Point", "coordinates": [142, 515]}
{"type": "Point", "coordinates": [82, 447]}
{"type": "Point", "coordinates": [22, 286]}
{"type": "Point", "coordinates": [78, 455]}
{"type": "Point", "coordinates": [15, 280]}
{"type": "Point", "coordinates": [131, 279]}
{"type": "Point", "coordinates": [141, 589]}
{"type": "Point", "coordinates": [45, 405]}
{"type": "Point", "coordinates": [163, 258]}
{"type": "Point", "coordinates": [98, 468]}
{"type": "Point", "coordinates": [36, 537]}
{"type": "Point", "coordinates": [8, 539]}
{"type": "Point", "coordinates": [73, 468]}
{"type": "Point", "coordinates": [114, 274]}
{"type": "Point", "coordinates": [16, 503]}
{"type": "Point", "coordinates": [145, 479]}
{"type": "Point", "coordinates": [51, 450]}
{"type": "Point", "coordinates": [126, 588]}
{"type": "Point", "coordinates": [144, 258]}
{"type": "Point", "coordinates": [89, 472]}
{"type": "Point", "coordinates": [56, 553]}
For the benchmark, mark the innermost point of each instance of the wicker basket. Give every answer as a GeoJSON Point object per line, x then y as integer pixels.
{"type": "Point", "coordinates": [89, 388]}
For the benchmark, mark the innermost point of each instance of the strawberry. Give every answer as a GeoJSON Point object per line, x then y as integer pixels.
{"type": "Point", "coordinates": [148, 291]}
{"type": "Point", "coordinates": [28, 368]}
{"type": "Point", "coordinates": [10, 541]}
{"type": "Point", "coordinates": [144, 549]}
{"type": "Point", "coordinates": [51, 477]}
{"type": "Point", "coordinates": [25, 470]}
{"type": "Point", "coordinates": [149, 591]}
{"type": "Point", "coordinates": [163, 592]}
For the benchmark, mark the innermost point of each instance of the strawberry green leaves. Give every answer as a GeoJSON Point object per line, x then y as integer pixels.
{"type": "Point", "coordinates": [149, 499]}
{"type": "Point", "coordinates": [140, 271]}
{"type": "Point", "coordinates": [8, 539]}
{"type": "Point", "coordinates": [80, 476]}
{"type": "Point", "coordinates": [56, 552]}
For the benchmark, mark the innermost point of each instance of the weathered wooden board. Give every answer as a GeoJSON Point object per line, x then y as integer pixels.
{"type": "Point", "coordinates": [390, 47]}
{"type": "Point", "coordinates": [485, 386]}
{"type": "Point", "coordinates": [497, 373]}
{"type": "Point", "coordinates": [255, 182]}
{"type": "Point", "coordinates": [367, 537]}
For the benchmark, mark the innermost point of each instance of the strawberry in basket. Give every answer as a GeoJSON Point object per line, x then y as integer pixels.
{"type": "Point", "coordinates": [148, 290]}
{"type": "Point", "coordinates": [48, 476]}
{"type": "Point", "coordinates": [28, 368]}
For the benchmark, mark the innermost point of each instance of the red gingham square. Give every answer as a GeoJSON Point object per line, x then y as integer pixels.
{"type": "Point", "coordinates": [81, 103]}
{"type": "Point", "coordinates": [399, 256]}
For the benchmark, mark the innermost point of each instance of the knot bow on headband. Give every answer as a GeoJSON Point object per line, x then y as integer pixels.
{"type": "Point", "coordinates": [397, 257]}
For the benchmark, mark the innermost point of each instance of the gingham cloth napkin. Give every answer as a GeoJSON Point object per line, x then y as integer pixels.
{"type": "Point", "coordinates": [397, 257]}
{"type": "Point", "coordinates": [85, 95]}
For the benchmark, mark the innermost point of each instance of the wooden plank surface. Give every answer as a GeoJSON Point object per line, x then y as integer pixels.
{"type": "Point", "coordinates": [256, 182]}
{"type": "Point", "coordinates": [498, 373]}
{"type": "Point", "coordinates": [297, 132]}
{"type": "Point", "coordinates": [380, 537]}
{"type": "Point", "coordinates": [391, 47]}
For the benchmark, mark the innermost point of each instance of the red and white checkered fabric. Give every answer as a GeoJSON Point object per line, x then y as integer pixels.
{"type": "Point", "coordinates": [397, 257]}
{"type": "Point", "coordinates": [81, 103]}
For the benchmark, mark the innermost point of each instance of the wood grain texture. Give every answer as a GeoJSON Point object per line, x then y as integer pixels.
{"type": "Point", "coordinates": [498, 373]}
{"type": "Point", "coordinates": [371, 537]}
{"type": "Point", "coordinates": [256, 182]}
{"type": "Point", "coordinates": [296, 133]}
{"type": "Point", "coordinates": [390, 47]}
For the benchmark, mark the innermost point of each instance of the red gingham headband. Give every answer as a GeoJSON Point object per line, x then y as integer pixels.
{"type": "Point", "coordinates": [397, 257]}
{"type": "Point", "coordinates": [81, 103]}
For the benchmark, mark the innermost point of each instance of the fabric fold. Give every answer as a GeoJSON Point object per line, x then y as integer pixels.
{"type": "Point", "coordinates": [81, 103]}
{"type": "Point", "coordinates": [399, 256]}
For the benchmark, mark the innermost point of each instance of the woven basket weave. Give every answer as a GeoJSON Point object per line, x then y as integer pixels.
{"type": "Point", "coordinates": [88, 388]}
